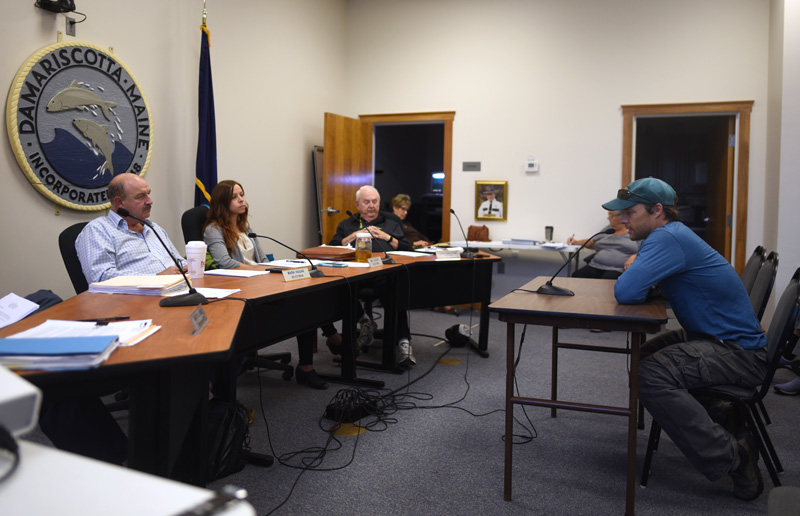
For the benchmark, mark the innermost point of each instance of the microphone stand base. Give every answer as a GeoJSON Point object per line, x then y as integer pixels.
{"type": "Point", "coordinates": [469, 254]}
{"type": "Point", "coordinates": [190, 299]}
{"type": "Point", "coordinates": [316, 273]}
{"type": "Point", "coordinates": [552, 290]}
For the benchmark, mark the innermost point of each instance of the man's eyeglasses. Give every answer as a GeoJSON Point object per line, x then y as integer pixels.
{"type": "Point", "coordinates": [626, 194]}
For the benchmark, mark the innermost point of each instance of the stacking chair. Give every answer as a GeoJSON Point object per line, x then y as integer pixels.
{"type": "Point", "coordinates": [779, 335]}
{"type": "Point", "coordinates": [759, 295]}
{"type": "Point", "coordinates": [752, 266]}
{"type": "Point", "coordinates": [192, 222]}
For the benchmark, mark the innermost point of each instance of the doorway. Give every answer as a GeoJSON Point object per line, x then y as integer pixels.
{"type": "Point", "coordinates": [348, 162]}
{"type": "Point", "coordinates": [409, 159]}
{"type": "Point", "coordinates": [726, 200]}
{"type": "Point", "coordinates": [691, 154]}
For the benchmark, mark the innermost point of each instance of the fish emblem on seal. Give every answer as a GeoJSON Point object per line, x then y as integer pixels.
{"type": "Point", "coordinates": [75, 97]}
{"type": "Point", "coordinates": [98, 135]}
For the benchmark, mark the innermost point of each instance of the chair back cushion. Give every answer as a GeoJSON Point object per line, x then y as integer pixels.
{"type": "Point", "coordinates": [192, 222]}
{"type": "Point", "coordinates": [752, 266]}
{"type": "Point", "coordinates": [763, 284]}
{"type": "Point", "coordinates": [781, 329]}
{"type": "Point", "coordinates": [66, 244]}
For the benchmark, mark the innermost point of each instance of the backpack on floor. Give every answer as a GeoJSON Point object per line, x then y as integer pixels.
{"type": "Point", "coordinates": [228, 438]}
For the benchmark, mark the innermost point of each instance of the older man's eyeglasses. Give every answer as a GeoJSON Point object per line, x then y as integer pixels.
{"type": "Point", "coordinates": [625, 194]}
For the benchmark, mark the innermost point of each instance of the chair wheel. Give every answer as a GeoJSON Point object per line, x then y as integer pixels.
{"type": "Point", "coordinates": [287, 375]}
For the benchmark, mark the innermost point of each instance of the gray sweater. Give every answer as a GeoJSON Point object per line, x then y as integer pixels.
{"type": "Point", "coordinates": [227, 258]}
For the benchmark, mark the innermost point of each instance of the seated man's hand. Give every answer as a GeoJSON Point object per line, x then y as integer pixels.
{"type": "Point", "coordinates": [171, 270]}
{"type": "Point", "coordinates": [629, 261]}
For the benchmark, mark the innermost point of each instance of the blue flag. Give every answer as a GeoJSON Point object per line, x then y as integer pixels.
{"type": "Point", "coordinates": [206, 167]}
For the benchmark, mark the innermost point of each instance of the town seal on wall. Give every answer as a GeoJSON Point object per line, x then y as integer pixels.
{"type": "Point", "coordinates": [76, 118]}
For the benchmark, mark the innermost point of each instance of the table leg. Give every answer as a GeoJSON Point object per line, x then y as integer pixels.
{"type": "Point", "coordinates": [554, 371]}
{"type": "Point", "coordinates": [509, 410]}
{"type": "Point", "coordinates": [636, 341]}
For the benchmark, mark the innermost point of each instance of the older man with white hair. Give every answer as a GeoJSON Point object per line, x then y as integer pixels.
{"type": "Point", "coordinates": [387, 235]}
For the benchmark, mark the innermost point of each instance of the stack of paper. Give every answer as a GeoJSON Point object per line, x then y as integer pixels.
{"type": "Point", "coordinates": [14, 308]}
{"type": "Point", "coordinates": [55, 344]}
{"type": "Point", "coordinates": [146, 285]}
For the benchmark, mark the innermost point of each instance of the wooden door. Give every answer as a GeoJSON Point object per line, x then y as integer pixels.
{"type": "Point", "coordinates": [719, 195]}
{"type": "Point", "coordinates": [347, 166]}
{"type": "Point", "coordinates": [738, 180]}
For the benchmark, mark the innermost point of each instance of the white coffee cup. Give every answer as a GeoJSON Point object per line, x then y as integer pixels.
{"type": "Point", "coordinates": [196, 256]}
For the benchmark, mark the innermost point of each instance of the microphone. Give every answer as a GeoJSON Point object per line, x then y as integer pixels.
{"type": "Point", "coordinates": [549, 288]}
{"type": "Point", "coordinates": [193, 298]}
{"type": "Point", "coordinates": [468, 253]}
{"type": "Point", "coordinates": [314, 272]}
{"type": "Point", "coordinates": [386, 258]}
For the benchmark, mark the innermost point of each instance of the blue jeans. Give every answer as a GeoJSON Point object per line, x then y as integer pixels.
{"type": "Point", "coordinates": [674, 363]}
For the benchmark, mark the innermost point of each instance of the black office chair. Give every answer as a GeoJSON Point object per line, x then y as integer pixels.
{"type": "Point", "coordinates": [66, 244]}
{"type": "Point", "coordinates": [752, 267]}
{"type": "Point", "coordinates": [779, 336]}
{"type": "Point", "coordinates": [192, 222]}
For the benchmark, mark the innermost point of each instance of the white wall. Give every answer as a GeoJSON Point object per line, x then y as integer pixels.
{"type": "Point", "coordinates": [524, 77]}
{"type": "Point", "coordinates": [547, 79]}
{"type": "Point", "coordinates": [788, 237]}
{"type": "Point", "coordinates": [277, 67]}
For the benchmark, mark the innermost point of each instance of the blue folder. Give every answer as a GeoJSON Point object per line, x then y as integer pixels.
{"type": "Point", "coordinates": [56, 346]}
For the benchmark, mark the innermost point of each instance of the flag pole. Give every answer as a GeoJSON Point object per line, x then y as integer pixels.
{"type": "Point", "coordinates": [205, 13]}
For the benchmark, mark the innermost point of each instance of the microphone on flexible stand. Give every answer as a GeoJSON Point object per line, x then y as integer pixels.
{"type": "Point", "coordinates": [549, 288]}
{"type": "Point", "coordinates": [193, 298]}
{"type": "Point", "coordinates": [386, 258]}
{"type": "Point", "coordinates": [314, 272]}
{"type": "Point", "coordinates": [468, 253]}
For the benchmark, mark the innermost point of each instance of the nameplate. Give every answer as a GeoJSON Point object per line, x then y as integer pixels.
{"type": "Point", "coordinates": [199, 319]}
{"type": "Point", "coordinates": [448, 254]}
{"type": "Point", "coordinates": [295, 274]}
{"type": "Point", "coordinates": [375, 261]}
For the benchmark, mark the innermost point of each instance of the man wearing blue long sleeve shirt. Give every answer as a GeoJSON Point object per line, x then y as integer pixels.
{"type": "Point", "coordinates": [720, 343]}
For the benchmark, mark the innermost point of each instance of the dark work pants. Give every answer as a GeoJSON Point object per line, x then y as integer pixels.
{"type": "Point", "coordinates": [590, 272]}
{"type": "Point", "coordinates": [671, 365]}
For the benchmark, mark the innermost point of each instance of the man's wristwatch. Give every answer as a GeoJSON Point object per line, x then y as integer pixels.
{"type": "Point", "coordinates": [390, 239]}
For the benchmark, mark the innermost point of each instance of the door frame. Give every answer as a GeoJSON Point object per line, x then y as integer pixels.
{"type": "Point", "coordinates": [445, 117]}
{"type": "Point", "coordinates": [740, 109]}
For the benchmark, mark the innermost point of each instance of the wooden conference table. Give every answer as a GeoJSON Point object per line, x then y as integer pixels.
{"type": "Point", "coordinates": [167, 373]}
{"type": "Point", "coordinates": [593, 306]}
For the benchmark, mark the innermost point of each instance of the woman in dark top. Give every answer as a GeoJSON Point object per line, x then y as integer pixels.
{"type": "Point", "coordinates": [400, 206]}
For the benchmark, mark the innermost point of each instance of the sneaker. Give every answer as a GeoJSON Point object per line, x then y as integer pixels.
{"type": "Point", "coordinates": [405, 355]}
{"type": "Point", "coordinates": [366, 330]}
{"type": "Point", "coordinates": [747, 481]}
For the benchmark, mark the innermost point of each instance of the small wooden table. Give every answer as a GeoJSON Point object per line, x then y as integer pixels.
{"type": "Point", "coordinates": [592, 306]}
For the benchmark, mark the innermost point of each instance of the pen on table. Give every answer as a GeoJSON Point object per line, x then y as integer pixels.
{"type": "Point", "coordinates": [296, 261]}
{"type": "Point", "coordinates": [107, 319]}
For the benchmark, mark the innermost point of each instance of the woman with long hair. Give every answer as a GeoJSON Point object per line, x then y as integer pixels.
{"type": "Point", "coordinates": [225, 233]}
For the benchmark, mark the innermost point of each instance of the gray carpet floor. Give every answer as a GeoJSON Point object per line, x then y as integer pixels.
{"type": "Point", "coordinates": [438, 448]}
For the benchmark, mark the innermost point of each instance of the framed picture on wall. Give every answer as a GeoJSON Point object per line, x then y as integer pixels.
{"type": "Point", "coordinates": [491, 200]}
